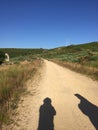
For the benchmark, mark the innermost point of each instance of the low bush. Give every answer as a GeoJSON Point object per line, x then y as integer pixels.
{"type": "Point", "coordinates": [2, 57]}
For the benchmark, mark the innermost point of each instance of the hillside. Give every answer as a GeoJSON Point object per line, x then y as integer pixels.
{"type": "Point", "coordinates": [85, 54]}
{"type": "Point", "coordinates": [93, 46]}
{"type": "Point", "coordinates": [16, 52]}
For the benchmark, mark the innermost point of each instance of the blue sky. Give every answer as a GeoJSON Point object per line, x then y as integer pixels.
{"type": "Point", "coordinates": [47, 23]}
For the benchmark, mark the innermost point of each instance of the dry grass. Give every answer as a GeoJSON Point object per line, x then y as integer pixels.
{"type": "Point", "coordinates": [12, 85]}
{"type": "Point", "coordinates": [89, 71]}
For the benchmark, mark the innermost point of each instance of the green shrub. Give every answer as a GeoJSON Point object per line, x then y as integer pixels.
{"type": "Point", "coordinates": [2, 57]}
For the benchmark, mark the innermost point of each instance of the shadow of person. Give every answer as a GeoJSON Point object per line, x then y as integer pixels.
{"type": "Point", "coordinates": [89, 109]}
{"type": "Point", "coordinates": [46, 115]}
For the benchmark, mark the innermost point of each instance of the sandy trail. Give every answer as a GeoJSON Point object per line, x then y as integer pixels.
{"type": "Point", "coordinates": [61, 85]}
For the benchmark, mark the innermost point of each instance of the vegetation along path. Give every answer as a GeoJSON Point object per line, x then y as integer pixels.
{"type": "Point", "coordinates": [72, 101]}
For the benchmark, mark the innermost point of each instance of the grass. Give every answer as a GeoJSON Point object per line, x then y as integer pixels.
{"type": "Point", "coordinates": [12, 85]}
{"type": "Point", "coordinates": [89, 71]}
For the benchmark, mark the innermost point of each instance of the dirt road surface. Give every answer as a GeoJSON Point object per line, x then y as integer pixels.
{"type": "Point", "coordinates": [74, 98]}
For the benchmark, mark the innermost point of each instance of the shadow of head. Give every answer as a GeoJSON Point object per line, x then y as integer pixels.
{"type": "Point", "coordinates": [88, 109]}
{"type": "Point", "coordinates": [47, 101]}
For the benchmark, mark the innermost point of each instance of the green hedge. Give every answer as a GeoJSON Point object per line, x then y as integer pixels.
{"type": "Point", "coordinates": [2, 57]}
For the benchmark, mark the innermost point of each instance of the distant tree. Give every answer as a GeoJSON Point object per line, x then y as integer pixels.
{"type": "Point", "coordinates": [2, 57]}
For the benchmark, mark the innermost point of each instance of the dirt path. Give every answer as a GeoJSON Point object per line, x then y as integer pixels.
{"type": "Point", "coordinates": [73, 96]}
